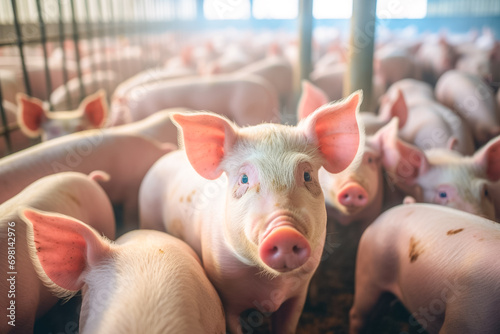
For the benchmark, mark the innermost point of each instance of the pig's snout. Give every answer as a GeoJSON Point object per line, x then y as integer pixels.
{"type": "Point", "coordinates": [284, 249]}
{"type": "Point", "coordinates": [353, 195]}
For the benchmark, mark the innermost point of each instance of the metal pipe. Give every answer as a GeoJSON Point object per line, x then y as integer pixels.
{"type": "Point", "coordinates": [43, 36]}
{"type": "Point", "coordinates": [6, 131]}
{"type": "Point", "coordinates": [89, 39]}
{"type": "Point", "coordinates": [361, 46]}
{"type": "Point", "coordinates": [20, 46]}
{"type": "Point", "coordinates": [77, 51]}
{"type": "Point", "coordinates": [63, 48]}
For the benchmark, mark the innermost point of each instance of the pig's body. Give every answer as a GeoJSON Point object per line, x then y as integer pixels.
{"type": "Point", "coordinates": [70, 193]}
{"type": "Point", "coordinates": [439, 262]}
{"type": "Point", "coordinates": [433, 58]}
{"type": "Point", "coordinates": [473, 100]}
{"type": "Point", "coordinates": [249, 203]}
{"type": "Point", "coordinates": [330, 80]}
{"type": "Point", "coordinates": [247, 101]}
{"type": "Point", "coordinates": [125, 157]}
{"type": "Point", "coordinates": [393, 64]}
{"type": "Point", "coordinates": [148, 282]}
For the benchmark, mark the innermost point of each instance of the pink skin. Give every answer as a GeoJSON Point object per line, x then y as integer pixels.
{"type": "Point", "coordinates": [435, 57]}
{"type": "Point", "coordinates": [125, 157]}
{"type": "Point", "coordinates": [435, 261]}
{"type": "Point", "coordinates": [69, 193]}
{"type": "Point", "coordinates": [123, 283]}
{"type": "Point", "coordinates": [428, 124]}
{"type": "Point", "coordinates": [266, 249]}
{"type": "Point", "coordinates": [473, 100]}
{"type": "Point", "coordinates": [392, 63]}
{"type": "Point", "coordinates": [35, 119]}
{"type": "Point", "coordinates": [330, 81]}
{"type": "Point", "coordinates": [106, 81]}
{"type": "Point", "coordinates": [18, 139]}
{"type": "Point", "coordinates": [125, 63]}
{"type": "Point", "coordinates": [247, 100]}
{"type": "Point", "coordinates": [445, 177]}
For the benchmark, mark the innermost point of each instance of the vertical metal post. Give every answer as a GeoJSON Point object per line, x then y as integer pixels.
{"type": "Point", "coordinates": [305, 45]}
{"type": "Point", "coordinates": [6, 131]}
{"type": "Point", "coordinates": [77, 51]}
{"type": "Point", "coordinates": [20, 46]}
{"type": "Point", "coordinates": [43, 36]}
{"type": "Point", "coordinates": [64, 64]}
{"type": "Point", "coordinates": [95, 85]}
{"type": "Point", "coordinates": [117, 59]}
{"type": "Point", "coordinates": [361, 45]}
{"type": "Point", "coordinates": [104, 33]}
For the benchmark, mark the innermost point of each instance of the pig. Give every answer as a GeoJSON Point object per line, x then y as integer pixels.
{"type": "Point", "coordinates": [393, 63]}
{"type": "Point", "coordinates": [445, 177]}
{"type": "Point", "coordinates": [473, 100]}
{"type": "Point", "coordinates": [18, 139]}
{"type": "Point", "coordinates": [438, 262]}
{"type": "Point", "coordinates": [35, 119]}
{"type": "Point", "coordinates": [429, 124]}
{"type": "Point", "coordinates": [247, 100]}
{"type": "Point", "coordinates": [146, 282]}
{"type": "Point", "coordinates": [434, 58]}
{"type": "Point", "coordinates": [248, 201]}
{"type": "Point", "coordinates": [68, 193]}
{"type": "Point", "coordinates": [330, 80]}
{"type": "Point", "coordinates": [126, 157]}
{"type": "Point", "coordinates": [64, 99]}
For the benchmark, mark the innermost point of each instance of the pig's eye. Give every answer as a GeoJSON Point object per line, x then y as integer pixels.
{"type": "Point", "coordinates": [486, 193]}
{"type": "Point", "coordinates": [307, 176]}
{"type": "Point", "coordinates": [370, 160]}
{"type": "Point", "coordinates": [244, 179]}
{"type": "Point", "coordinates": [443, 194]}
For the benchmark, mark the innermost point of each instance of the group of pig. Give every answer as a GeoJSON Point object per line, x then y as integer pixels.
{"type": "Point", "coordinates": [243, 201]}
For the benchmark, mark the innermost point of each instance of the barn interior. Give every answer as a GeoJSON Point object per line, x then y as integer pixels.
{"type": "Point", "coordinates": [61, 51]}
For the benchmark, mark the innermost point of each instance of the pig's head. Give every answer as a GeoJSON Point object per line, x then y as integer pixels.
{"type": "Point", "coordinates": [275, 216]}
{"type": "Point", "coordinates": [445, 177]}
{"type": "Point", "coordinates": [34, 119]}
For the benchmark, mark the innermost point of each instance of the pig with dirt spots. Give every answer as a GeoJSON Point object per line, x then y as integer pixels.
{"type": "Point", "coordinates": [146, 282]}
{"type": "Point", "coordinates": [473, 100]}
{"type": "Point", "coordinates": [439, 262]}
{"type": "Point", "coordinates": [445, 177]}
{"type": "Point", "coordinates": [248, 201]}
{"type": "Point", "coordinates": [35, 119]}
{"type": "Point", "coordinates": [70, 193]}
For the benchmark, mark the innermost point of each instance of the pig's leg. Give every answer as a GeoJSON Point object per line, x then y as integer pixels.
{"type": "Point", "coordinates": [286, 318]}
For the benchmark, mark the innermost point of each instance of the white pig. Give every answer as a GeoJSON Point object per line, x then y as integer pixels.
{"type": "Point", "coordinates": [249, 202]}
{"type": "Point", "coordinates": [68, 193]}
{"type": "Point", "coordinates": [146, 282]}
{"type": "Point", "coordinates": [441, 263]}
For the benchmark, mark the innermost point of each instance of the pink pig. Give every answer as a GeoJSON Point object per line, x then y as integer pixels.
{"type": "Point", "coordinates": [443, 176]}
{"type": "Point", "coordinates": [34, 118]}
{"type": "Point", "coordinates": [69, 193]}
{"type": "Point", "coordinates": [146, 282]}
{"type": "Point", "coordinates": [473, 100]}
{"type": "Point", "coordinates": [439, 262]}
{"type": "Point", "coordinates": [249, 202]}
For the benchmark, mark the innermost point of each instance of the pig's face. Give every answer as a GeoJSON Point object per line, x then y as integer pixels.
{"type": "Point", "coordinates": [455, 182]}
{"type": "Point", "coordinates": [63, 124]}
{"type": "Point", "coordinates": [273, 187]}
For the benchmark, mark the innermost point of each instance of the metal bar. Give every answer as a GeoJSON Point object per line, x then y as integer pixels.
{"type": "Point", "coordinates": [20, 46]}
{"type": "Point", "coordinates": [106, 40]}
{"type": "Point", "coordinates": [361, 45]}
{"type": "Point", "coordinates": [118, 60]}
{"type": "Point", "coordinates": [89, 34]}
{"type": "Point", "coordinates": [43, 35]}
{"type": "Point", "coordinates": [63, 48]}
{"type": "Point", "coordinates": [6, 130]}
{"type": "Point", "coordinates": [77, 51]}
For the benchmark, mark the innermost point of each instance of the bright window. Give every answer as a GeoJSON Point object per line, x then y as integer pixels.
{"type": "Point", "coordinates": [386, 9]}
{"type": "Point", "coordinates": [275, 9]}
{"type": "Point", "coordinates": [226, 9]}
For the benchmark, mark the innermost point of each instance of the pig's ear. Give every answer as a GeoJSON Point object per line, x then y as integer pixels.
{"type": "Point", "coordinates": [397, 109]}
{"type": "Point", "coordinates": [311, 99]}
{"type": "Point", "coordinates": [95, 108]}
{"type": "Point", "coordinates": [30, 115]}
{"type": "Point", "coordinates": [335, 129]}
{"type": "Point", "coordinates": [401, 160]}
{"type": "Point", "coordinates": [207, 137]}
{"type": "Point", "coordinates": [488, 157]}
{"type": "Point", "coordinates": [61, 249]}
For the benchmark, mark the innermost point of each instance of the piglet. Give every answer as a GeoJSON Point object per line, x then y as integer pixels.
{"type": "Point", "coordinates": [248, 201]}
{"type": "Point", "coordinates": [441, 263]}
{"type": "Point", "coordinates": [24, 297]}
{"type": "Point", "coordinates": [146, 282]}
{"type": "Point", "coordinates": [35, 119]}
{"type": "Point", "coordinates": [445, 177]}
{"type": "Point", "coordinates": [473, 100]}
